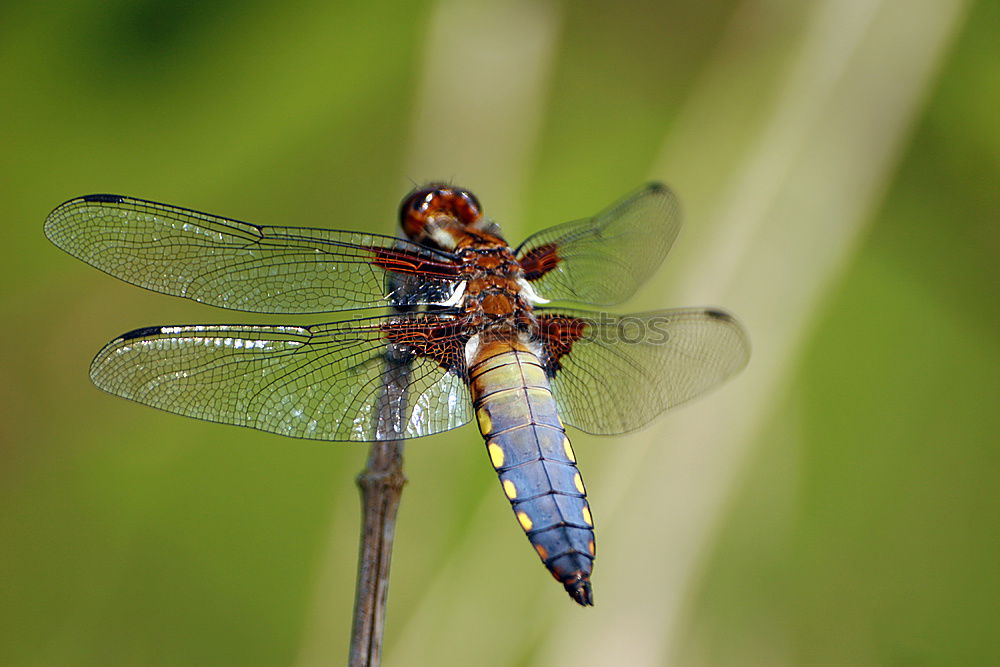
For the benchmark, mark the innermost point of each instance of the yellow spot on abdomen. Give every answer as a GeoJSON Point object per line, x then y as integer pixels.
{"type": "Point", "coordinates": [485, 423]}
{"type": "Point", "coordinates": [590, 547]}
{"type": "Point", "coordinates": [509, 489]}
{"type": "Point", "coordinates": [587, 519]}
{"type": "Point", "coordinates": [496, 455]}
{"type": "Point", "coordinates": [525, 521]}
{"type": "Point", "coordinates": [542, 551]}
{"type": "Point", "coordinates": [578, 483]}
{"type": "Point", "coordinates": [568, 448]}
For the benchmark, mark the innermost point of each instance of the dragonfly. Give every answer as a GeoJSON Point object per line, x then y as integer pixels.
{"type": "Point", "coordinates": [461, 325]}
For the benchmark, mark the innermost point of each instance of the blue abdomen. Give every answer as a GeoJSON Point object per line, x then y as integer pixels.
{"type": "Point", "coordinates": [534, 459]}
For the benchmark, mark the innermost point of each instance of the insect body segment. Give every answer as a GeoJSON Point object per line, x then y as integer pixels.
{"type": "Point", "coordinates": [530, 451]}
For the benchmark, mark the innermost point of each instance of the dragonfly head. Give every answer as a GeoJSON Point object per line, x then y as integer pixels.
{"type": "Point", "coordinates": [430, 211]}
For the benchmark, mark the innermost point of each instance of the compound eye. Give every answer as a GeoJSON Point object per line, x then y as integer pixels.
{"type": "Point", "coordinates": [418, 200]}
{"type": "Point", "coordinates": [472, 201]}
{"type": "Point", "coordinates": [437, 200]}
{"type": "Point", "coordinates": [415, 209]}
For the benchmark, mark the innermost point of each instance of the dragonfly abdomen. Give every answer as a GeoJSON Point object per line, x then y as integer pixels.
{"type": "Point", "coordinates": [534, 459]}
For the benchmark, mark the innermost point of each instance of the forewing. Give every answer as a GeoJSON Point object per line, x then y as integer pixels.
{"type": "Point", "coordinates": [615, 373]}
{"type": "Point", "coordinates": [604, 259]}
{"type": "Point", "coordinates": [241, 266]}
{"type": "Point", "coordinates": [324, 382]}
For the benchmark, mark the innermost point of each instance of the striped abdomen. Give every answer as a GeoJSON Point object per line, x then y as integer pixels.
{"type": "Point", "coordinates": [528, 447]}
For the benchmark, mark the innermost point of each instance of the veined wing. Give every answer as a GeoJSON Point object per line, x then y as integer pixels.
{"type": "Point", "coordinates": [615, 373]}
{"type": "Point", "coordinates": [324, 382]}
{"type": "Point", "coordinates": [603, 259]}
{"type": "Point", "coordinates": [242, 266]}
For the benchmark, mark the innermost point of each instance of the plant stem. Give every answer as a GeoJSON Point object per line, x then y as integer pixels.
{"type": "Point", "coordinates": [381, 486]}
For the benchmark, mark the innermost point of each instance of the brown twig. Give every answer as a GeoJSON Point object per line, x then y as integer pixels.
{"type": "Point", "coordinates": [381, 485]}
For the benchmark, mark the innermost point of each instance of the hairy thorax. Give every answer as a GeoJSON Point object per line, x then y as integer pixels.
{"type": "Point", "coordinates": [494, 301]}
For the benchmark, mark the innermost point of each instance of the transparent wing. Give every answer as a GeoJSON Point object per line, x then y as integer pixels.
{"type": "Point", "coordinates": [615, 373]}
{"type": "Point", "coordinates": [603, 260]}
{"type": "Point", "coordinates": [325, 382]}
{"type": "Point", "coordinates": [241, 266]}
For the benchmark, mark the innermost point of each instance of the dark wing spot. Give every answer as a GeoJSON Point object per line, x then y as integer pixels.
{"type": "Point", "coordinates": [539, 261]}
{"type": "Point", "coordinates": [719, 314]}
{"type": "Point", "coordinates": [106, 199]}
{"type": "Point", "coordinates": [435, 337]}
{"type": "Point", "coordinates": [557, 333]}
{"type": "Point", "coordinates": [141, 333]}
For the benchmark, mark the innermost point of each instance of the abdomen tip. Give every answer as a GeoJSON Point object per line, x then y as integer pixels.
{"type": "Point", "coordinates": [579, 590]}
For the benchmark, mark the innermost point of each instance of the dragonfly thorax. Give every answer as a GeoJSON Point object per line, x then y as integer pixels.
{"type": "Point", "coordinates": [493, 283]}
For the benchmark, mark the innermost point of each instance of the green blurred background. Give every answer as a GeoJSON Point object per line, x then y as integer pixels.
{"type": "Point", "coordinates": [838, 162]}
